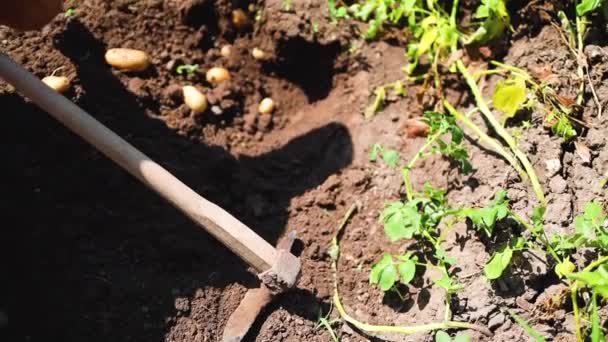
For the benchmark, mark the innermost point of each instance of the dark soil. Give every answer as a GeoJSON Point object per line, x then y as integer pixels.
{"type": "Point", "coordinates": [92, 255]}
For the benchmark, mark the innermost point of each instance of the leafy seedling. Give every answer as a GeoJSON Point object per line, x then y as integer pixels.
{"type": "Point", "coordinates": [189, 69]}
{"type": "Point", "coordinates": [485, 218]}
{"type": "Point", "coordinates": [389, 156]}
{"type": "Point", "coordinates": [392, 269]}
{"type": "Point", "coordinates": [440, 125]}
{"type": "Point", "coordinates": [70, 12]}
{"type": "Point", "coordinates": [501, 259]}
{"type": "Point", "coordinates": [495, 18]}
{"type": "Point", "coordinates": [597, 280]}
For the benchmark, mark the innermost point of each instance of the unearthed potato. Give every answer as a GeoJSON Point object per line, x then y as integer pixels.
{"type": "Point", "coordinates": [194, 99]}
{"type": "Point", "coordinates": [240, 20]}
{"type": "Point", "coordinates": [58, 83]}
{"type": "Point", "coordinates": [416, 128]}
{"type": "Point", "coordinates": [226, 51]}
{"type": "Point", "coordinates": [127, 59]}
{"type": "Point", "coordinates": [259, 54]}
{"type": "Point", "coordinates": [217, 75]}
{"type": "Point", "coordinates": [266, 106]}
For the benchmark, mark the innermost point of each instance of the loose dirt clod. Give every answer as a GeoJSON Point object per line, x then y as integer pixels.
{"type": "Point", "coordinates": [58, 83]}
{"type": "Point", "coordinates": [127, 59]}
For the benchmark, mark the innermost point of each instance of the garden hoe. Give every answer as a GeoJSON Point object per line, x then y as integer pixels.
{"type": "Point", "coordinates": [277, 269]}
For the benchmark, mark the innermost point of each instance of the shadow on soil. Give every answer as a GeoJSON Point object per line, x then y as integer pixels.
{"type": "Point", "coordinates": [93, 253]}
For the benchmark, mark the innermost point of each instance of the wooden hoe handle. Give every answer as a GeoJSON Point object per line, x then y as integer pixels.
{"type": "Point", "coordinates": [231, 232]}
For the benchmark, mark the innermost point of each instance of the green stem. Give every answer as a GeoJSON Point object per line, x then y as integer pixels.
{"type": "Point", "coordinates": [409, 191]}
{"type": "Point", "coordinates": [580, 28]}
{"type": "Point", "coordinates": [401, 329]}
{"type": "Point", "coordinates": [454, 13]}
{"type": "Point", "coordinates": [495, 145]}
{"type": "Point", "coordinates": [502, 132]}
{"type": "Point", "coordinates": [541, 238]}
{"type": "Point", "coordinates": [577, 313]}
{"type": "Point", "coordinates": [574, 297]}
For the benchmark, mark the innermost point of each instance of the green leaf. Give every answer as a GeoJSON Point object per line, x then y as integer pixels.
{"type": "Point", "coordinates": [400, 221]}
{"type": "Point", "coordinates": [597, 334]}
{"type": "Point", "coordinates": [463, 337]}
{"type": "Point", "coordinates": [187, 68]}
{"type": "Point", "coordinates": [376, 106]}
{"type": "Point", "coordinates": [597, 280]}
{"type": "Point", "coordinates": [509, 96]}
{"type": "Point", "coordinates": [593, 211]}
{"type": "Point", "coordinates": [373, 155]}
{"type": "Point", "coordinates": [378, 268]}
{"type": "Point", "coordinates": [407, 271]}
{"type": "Point", "coordinates": [498, 263]}
{"type": "Point", "coordinates": [442, 336]}
{"type": "Point", "coordinates": [563, 128]}
{"type": "Point", "coordinates": [587, 6]}
{"type": "Point", "coordinates": [482, 12]}
{"type": "Point", "coordinates": [390, 157]}
{"type": "Point", "coordinates": [388, 277]}
{"type": "Point", "coordinates": [538, 215]}
{"type": "Point", "coordinates": [428, 38]}
{"type": "Point", "coordinates": [565, 268]}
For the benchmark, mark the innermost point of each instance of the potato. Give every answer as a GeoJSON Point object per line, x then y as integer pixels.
{"type": "Point", "coordinates": [127, 59]}
{"type": "Point", "coordinates": [194, 99]}
{"type": "Point", "coordinates": [266, 106]}
{"type": "Point", "coordinates": [59, 83]}
{"type": "Point", "coordinates": [240, 20]}
{"type": "Point", "coordinates": [217, 75]}
{"type": "Point", "coordinates": [226, 51]}
{"type": "Point", "coordinates": [259, 54]}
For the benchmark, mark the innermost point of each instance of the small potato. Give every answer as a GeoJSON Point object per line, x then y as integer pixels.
{"type": "Point", "coordinates": [127, 59]}
{"type": "Point", "coordinates": [194, 99]}
{"type": "Point", "coordinates": [240, 20]}
{"type": "Point", "coordinates": [217, 75]}
{"type": "Point", "coordinates": [59, 83]}
{"type": "Point", "coordinates": [266, 106]}
{"type": "Point", "coordinates": [259, 54]}
{"type": "Point", "coordinates": [416, 128]}
{"type": "Point", "coordinates": [226, 51]}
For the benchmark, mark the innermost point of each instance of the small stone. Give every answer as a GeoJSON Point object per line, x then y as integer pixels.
{"type": "Point", "coordinates": [558, 185]}
{"type": "Point", "coordinates": [170, 64]}
{"type": "Point", "coordinates": [299, 321]}
{"type": "Point", "coordinates": [496, 321]}
{"type": "Point", "coordinates": [552, 166]}
{"type": "Point", "coordinates": [216, 110]}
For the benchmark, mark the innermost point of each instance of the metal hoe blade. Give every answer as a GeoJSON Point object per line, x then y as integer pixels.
{"type": "Point", "coordinates": [253, 303]}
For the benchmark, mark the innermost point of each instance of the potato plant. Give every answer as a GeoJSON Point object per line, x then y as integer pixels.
{"type": "Point", "coordinates": [426, 216]}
